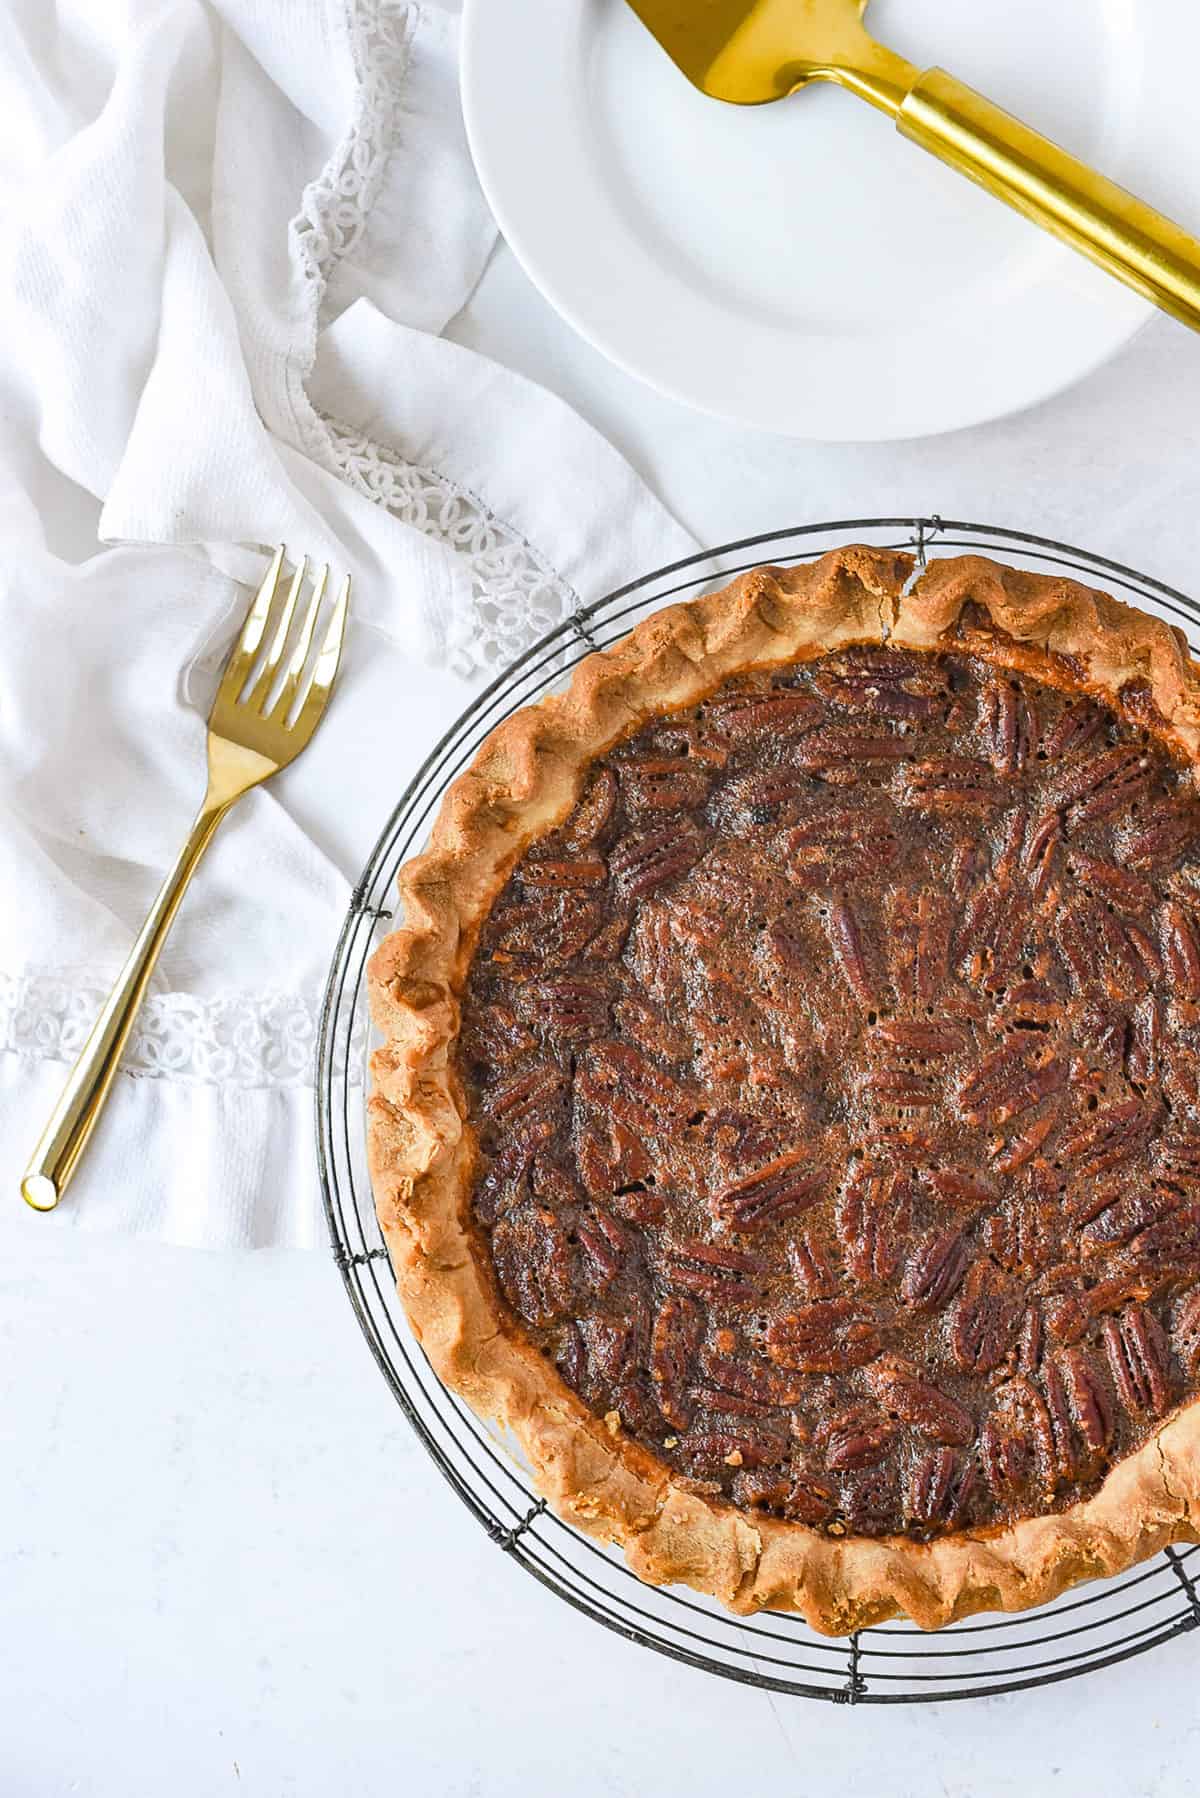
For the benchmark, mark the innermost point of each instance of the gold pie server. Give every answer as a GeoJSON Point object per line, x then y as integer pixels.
{"type": "Point", "coordinates": [255, 728]}
{"type": "Point", "coordinates": [753, 51]}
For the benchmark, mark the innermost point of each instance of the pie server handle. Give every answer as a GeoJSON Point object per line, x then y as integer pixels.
{"type": "Point", "coordinates": [1154, 256]}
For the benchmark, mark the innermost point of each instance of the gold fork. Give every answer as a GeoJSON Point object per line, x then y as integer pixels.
{"type": "Point", "coordinates": [247, 742]}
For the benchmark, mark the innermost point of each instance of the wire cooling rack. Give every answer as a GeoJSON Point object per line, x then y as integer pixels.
{"type": "Point", "coordinates": [1090, 1628]}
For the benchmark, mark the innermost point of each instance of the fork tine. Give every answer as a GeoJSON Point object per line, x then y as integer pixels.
{"type": "Point", "coordinates": [257, 697]}
{"type": "Point", "coordinates": [295, 667]}
{"type": "Point", "coordinates": [241, 658]}
{"type": "Point", "coordinates": [326, 666]}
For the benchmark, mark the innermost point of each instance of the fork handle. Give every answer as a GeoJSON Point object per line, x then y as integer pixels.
{"type": "Point", "coordinates": [1155, 257]}
{"type": "Point", "coordinates": [75, 1116]}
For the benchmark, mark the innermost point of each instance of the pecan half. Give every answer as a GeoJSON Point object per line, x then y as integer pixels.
{"type": "Point", "coordinates": [766, 796]}
{"type": "Point", "coordinates": [811, 1267]}
{"type": "Point", "coordinates": [1074, 730]}
{"type": "Point", "coordinates": [713, 1450]}
{"type": "Point", "coordinates": [840, 754]}
{"type": "Point", "coordinates": [604, 1246]}
{"type": "Point", "coordinates": [1110, 1137]}
{"type": "Point", "coordinates": [924, 1041]}
{"type": "Point", "coordinates": [567, 1007]}
{"type": "Point", "coordinates": [618, 1077]}
{"type": "Point", "coordinates": [1121, 1221]}
{"type": "Point", "coordinates": [935, 1270]}
{"type": "Point", "coordinates": [642, 864]}
{"type": "Point", "coordinates": [745, 1384]}
{"type": "Point", "coordinates": [1104, 784]}
{"type": "Point", "coordinates": [712, 1272]}
{"type": "Point", "coordinates": [1066, 1458]}
{"type": "Point", "coordinates": [1007, 1453]}
{"type": "Point", "coordinates": [609, 1345]}
{"type": "Point", "coordinates": [824, 1338]}
{"type": "Point", "coordinates": [837, 844]}
{"type": "Point", "coordinates": [1172, 829]}
{"type": "Point", "coordinates": [959, 1188]}
{"type": "Point", "coordinates": [594, 810]}
{"type": "Point", "coordinates": [1069, 1314]}
{"type": "Point", "coordinates": [898, 1086]}
{"type": "Point", "coordinates": [1144, 1046]}
{"type": "Point", "coordinates": [561, 876]}
{"type": "Point", "coordinates": [857, 1437]}
{"type": "Point", "coordinates": [849, 948]}
{"type": "Point", "coordinates": [1178, 1159]}
{"type": "Point", "coordinates": [1042, 838]}
{"type": "Point", "coordinates": [983, 1320]}
{"type": "Point", "coordinates": [761, 712]}
{"type": "Point", "coordinates": [505, 1182]}
{"type": "Point", "coordinates": [1090, 1401]}
{"type": "Point", "coordinates": [661, 784]}
{"type": "Point", "coordinates": [518, 1107]}
{"type": "Point", "coordinates": [1029, 1342]}
{"type": "Point", "coordinates": [921, 926]}
{"type": "Point", "coordinates": [1010, 1080]}
{"type": "Point", "coordinates": [1099, 950]}
{"type": "Point", "coordinates": [901, 693]}
{"type": "Point", "coordinates": [1180, 951]}
{"type": "Point", "coordinates": [533, 1260]}
{"type": "Point", "coordinates": [678, 1331]}
{"type": "Point", "coordinates": [571, 1359]}
{"type": "Point", "coordinates": [940, 1484]}
{"type": "Point", "coordinates": [924, 1406]}
{"type": "Point", "coordinates": [1139, 1358]}
{"type": "Point", "coordinates": [951, 783]}
{"type": "Point", "coordinates": [582, 930]}
{"type": "Point", "coordinates": [1023, 1235]}
{"type": "Point", "coordinates": [789, 1184]}
{"type": "Point", "coordinates": [496, 1035]}
{"type": "Point", "coordinates": [871, 1501]}
{"type": "Point", "coordinates": [1018, 1150]}
{"type": "Point", "coordinates": [874, 1218]}
{"type": "Point", "coordinates": [1126, 889]}
{"type": "Point", "coordinates": [991, 937]}
{"type": "Point", "coordinates": [1008, 726]}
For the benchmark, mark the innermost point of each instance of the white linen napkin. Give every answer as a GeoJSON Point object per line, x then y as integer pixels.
{"type": "Point", "coordinates": [234, 234]}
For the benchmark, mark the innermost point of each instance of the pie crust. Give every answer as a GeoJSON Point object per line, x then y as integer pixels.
{"type": "Point", "coordinates": [524, 781]}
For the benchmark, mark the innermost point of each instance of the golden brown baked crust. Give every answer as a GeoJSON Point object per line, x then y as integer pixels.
{"type": "Point", "coordinates": [524, 780]}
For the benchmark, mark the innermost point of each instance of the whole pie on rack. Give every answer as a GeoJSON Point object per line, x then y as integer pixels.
{"type": "Point", "coordinates": [788, 1114]}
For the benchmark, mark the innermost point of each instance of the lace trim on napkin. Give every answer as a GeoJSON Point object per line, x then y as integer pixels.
{"type": "Point", "coordinates": [239, 1040]}
{"type": "Point", "coordinates": [334, 208]}
{"type": "Point", "coordinates": [516, 596]}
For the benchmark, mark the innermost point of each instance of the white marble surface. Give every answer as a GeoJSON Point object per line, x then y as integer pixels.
{"type": "Point", "coordinates": [226, 1566]}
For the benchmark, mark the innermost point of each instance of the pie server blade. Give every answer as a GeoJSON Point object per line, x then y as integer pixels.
{"type": "Point", "coordinates": [749, 52]}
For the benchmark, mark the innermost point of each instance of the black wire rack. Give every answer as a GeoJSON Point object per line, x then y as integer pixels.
{"type": "Point", "coordinates": [1090, 1628]}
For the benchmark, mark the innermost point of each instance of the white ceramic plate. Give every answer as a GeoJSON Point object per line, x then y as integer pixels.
{"type": "Point", "coordinates": [799, 267]}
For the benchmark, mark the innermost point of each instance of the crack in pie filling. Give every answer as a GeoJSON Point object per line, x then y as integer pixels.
{"type": "Point", "coordinates": [789, 1115]}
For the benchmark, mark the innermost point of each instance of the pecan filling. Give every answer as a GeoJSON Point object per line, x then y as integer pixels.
{"type": "Point", "coordinates": [834, 1070]}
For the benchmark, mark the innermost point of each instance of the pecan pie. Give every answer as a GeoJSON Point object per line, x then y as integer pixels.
{"type": "Point", "coordinates": [788, 1118]}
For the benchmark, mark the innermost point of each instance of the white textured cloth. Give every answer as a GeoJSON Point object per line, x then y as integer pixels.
{"type": "Point", "coordinates": [233, 234]}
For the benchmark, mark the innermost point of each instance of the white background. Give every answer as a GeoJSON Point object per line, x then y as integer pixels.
{"type": "Point", "coordinates": [226, 1566]}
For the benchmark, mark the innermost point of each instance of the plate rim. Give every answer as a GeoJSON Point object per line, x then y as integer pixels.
{"type": "Point", "coordinates": [844, 422]}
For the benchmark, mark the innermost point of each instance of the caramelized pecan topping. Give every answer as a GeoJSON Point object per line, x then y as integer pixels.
{"type": "Point", "coordinates": [833, 1074]}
